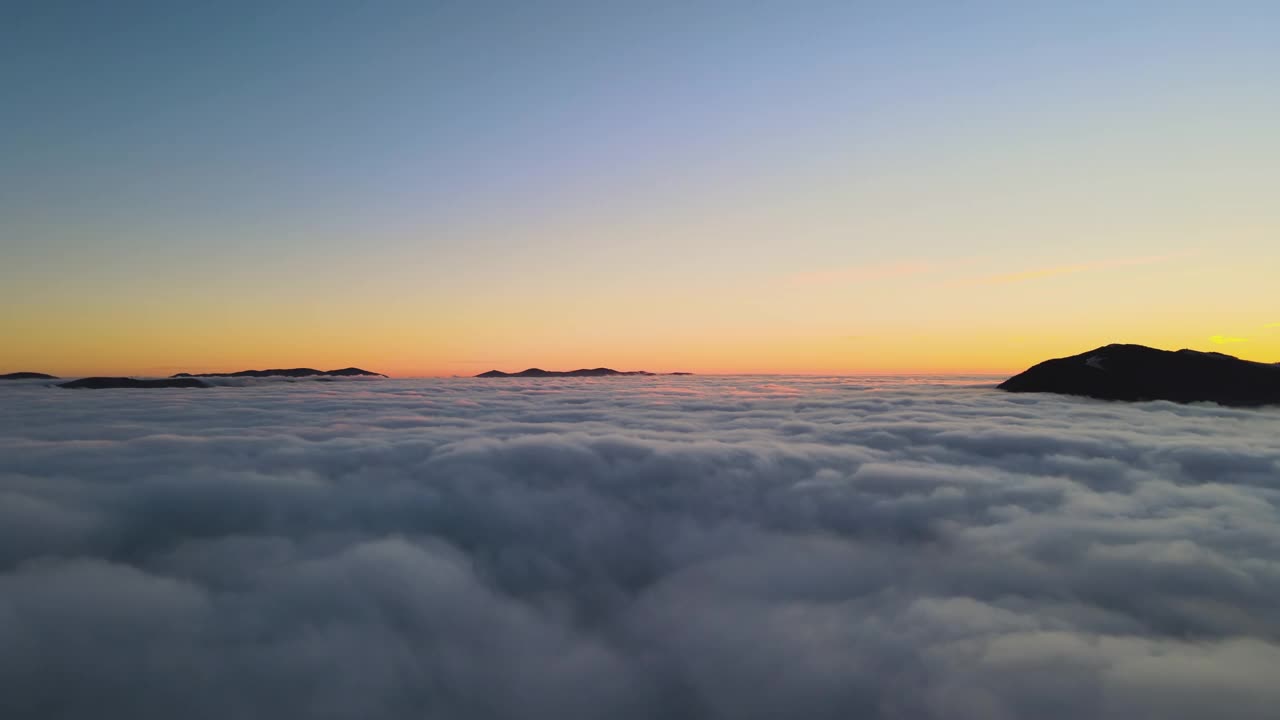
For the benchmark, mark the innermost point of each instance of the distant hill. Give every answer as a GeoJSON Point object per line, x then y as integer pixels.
{"type": "Point", "coordinates": [289, 372]}
{"type": "Point", "coordinates": [110, 383]}
{"type": "Point", "coordinates": [585, 372]}
{"type": "Point", "coordinates": [1137, 372]}
{"type": "Point", "coordinates": [28, 376]}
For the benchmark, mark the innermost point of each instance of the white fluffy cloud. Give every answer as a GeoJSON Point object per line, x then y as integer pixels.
{"type": "Point", "coordinates": [638, 547]}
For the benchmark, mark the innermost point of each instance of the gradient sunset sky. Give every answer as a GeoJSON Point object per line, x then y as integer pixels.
{"type": "Point", "coordinates": [428, 188]}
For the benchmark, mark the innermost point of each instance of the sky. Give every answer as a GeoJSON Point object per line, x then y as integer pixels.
{"type": "Point", "coordinates": [794, 187]}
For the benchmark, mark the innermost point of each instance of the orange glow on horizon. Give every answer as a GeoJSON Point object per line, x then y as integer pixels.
{"type": "Point", "coordinates": [902, 317]}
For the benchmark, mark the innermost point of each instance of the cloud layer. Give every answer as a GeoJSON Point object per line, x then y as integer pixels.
{"type": "Point", "coordinates": [635, 548]}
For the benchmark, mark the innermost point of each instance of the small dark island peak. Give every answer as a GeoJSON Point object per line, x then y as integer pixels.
{"type": "Point", "coordinates": [27, 376]}
{"type": "Point", "coordinates": [583, 372]}
{"type": "Point", "coordinates": [1137, 372]}
{"type": "Point", "coordinates": [289, 372]}
{"type": "Point", "coordinates": [127, 383]}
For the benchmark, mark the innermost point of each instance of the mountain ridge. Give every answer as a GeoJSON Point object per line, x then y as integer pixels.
{"type": "Point", "coordinates": [287, 372]}
{"type": "Point", "coordinates": [1130, 372]}
{"type": "Point", "coordinates": [113, 383]}
{"type": "Point", "coordinates": [581, 372]}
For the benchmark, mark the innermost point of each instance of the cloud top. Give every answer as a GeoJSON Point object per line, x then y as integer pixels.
{"type": "Point", "coordinates": [664, 547]}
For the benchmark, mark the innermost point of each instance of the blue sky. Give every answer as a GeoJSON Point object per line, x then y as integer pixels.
{"type": "Point", "coordinates": [436, 157]}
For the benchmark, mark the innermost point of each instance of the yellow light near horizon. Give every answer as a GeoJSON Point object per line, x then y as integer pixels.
{"type": "Point", "coordinates": [893, 317]}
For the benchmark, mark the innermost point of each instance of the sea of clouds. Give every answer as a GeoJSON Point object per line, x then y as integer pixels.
{"type": "Point", "coordinates": [620, 548]}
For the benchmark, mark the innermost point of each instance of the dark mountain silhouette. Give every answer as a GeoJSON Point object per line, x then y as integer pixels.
{"type": "Point", "coordinates": [28, 376]}
{"type": "Point", "coordinates": [289, 372]}
{"type": "Point", "coordinates": [585, 372]}
{"type": "Point", "coordinates": [105, 383]}
{"type": "Point", "coordinates": [1137, 372]}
